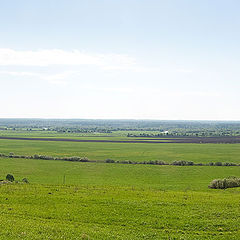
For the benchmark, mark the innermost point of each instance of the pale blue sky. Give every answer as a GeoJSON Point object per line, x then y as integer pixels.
{"type": "Point", "coordinates": [149, 59]}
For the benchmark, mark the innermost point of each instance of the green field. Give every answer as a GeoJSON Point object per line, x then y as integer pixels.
{"type": "Point", "coordinates": [80, 212]}
{"type": "Point", "coordinates": [180, 178]}
{"type": "Point", "coordinates": [96, 200]}
{"type": "Point", "coordinates": [169, 152]}
{"type": "Point", "coordinates": [116, 201]}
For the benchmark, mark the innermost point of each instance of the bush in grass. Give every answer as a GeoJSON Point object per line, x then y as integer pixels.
{"type": "Point", "coordinates": [182, 163]}
{"type": "Point", "coordinates": [109, 161]}
{"type": "Point", "coordinates": [179, 163]}
{"type": "Point", "coordinates": [25, 180]}
{"type": "Point", "coordinates": [160, 162]}
{"type": "Point", "coordinates": [125, 162]}
{"type": "Point", "coordinates": [11, 154]}
{"type": "Point", "coordinates": [151, 162]}
{"type": "Point", "coordinates": [229, 182]}
{"type": "Point", "coordinates": [229, 164]}
{"type": "Point", "coordinates": [74, 159]}
{"type": "Point", "coordinates": [218, 164]}
{"type": "Point", "coordinates": [36, 156]}
{"type": "Point", "coordinates": [10, 177]}
{"type": "Point", "coordinates": [84, 159]}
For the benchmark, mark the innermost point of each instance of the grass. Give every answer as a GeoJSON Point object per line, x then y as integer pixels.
{"type": "Point", "coordinates": [114, 201]}
{"type": "Point", "coordinates": [118, 201]}
{"type": "Point", "coordinates": [169, 152]}
{"type": "Point", "coordinates": [71, 212]}
{"type": "Point", "coordinates": [176, 178]}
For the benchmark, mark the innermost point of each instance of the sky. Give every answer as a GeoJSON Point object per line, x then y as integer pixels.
{"type": "Point", "coordinates": [120, 59]}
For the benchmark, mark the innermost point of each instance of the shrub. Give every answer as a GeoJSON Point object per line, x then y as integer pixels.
{"type": "Point", "coordinates": [25, 180]}
{"type": "Point", "coordinates": [229, 164]}
{"type": "Point", "coordinates": [160, 162]}
{"type": "Point", "coordinates": [109, 161]}
{"type": "Point", "coordinates": [125, 162]}
{"type": "Point", "coordinates": [36, 156]}
{"type": "Point", "coordinates": [10, 177]}
{"type": "Point", "coordinates": [74, 159]}
{"type": "Point", "coordinates": [84, 159]}
{"type": "Point", "coordinates": [151, 162]}
{"type": "Point", "coordinates": [229, 182]}
{"type": "Point", "coordinates": [183, 163]}
{"type": "Point", "coordinates": [178, 163]}
{"type": "Point", "coordinates": [218, 164]}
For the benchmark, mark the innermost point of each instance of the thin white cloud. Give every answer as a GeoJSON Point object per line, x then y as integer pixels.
{"type": "Point", "coordinates": [57, 79]}
{"type": "Point", "coordinates": [59, 82]}
{"type": "Point", "coordinates": [157, 92]}
{"type": "Point", "coordinates": [11, 57]}
{"type": "Point", "coordinates": [59, 76]}
{"type": "Point", "coordinates": [51, 57]}
{"type": "Point", "coordinates": [185, 70]}
{"type": "Point", "coordinates": [19, 74]}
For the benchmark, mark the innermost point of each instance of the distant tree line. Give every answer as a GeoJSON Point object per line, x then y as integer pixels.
{"type": "Point", "coordinates": [174, 128]}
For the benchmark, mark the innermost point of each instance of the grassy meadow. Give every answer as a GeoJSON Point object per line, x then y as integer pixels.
{"type": "Point", "coordinates": [178, 178]}
{"type": "Point", "coordinates": [169, 152]}
{"type": "Point", "coordinates": [81, 212]}
{"type": "Point", "coordinates": [95, 200]}
{"type": "Point", "coordinates": [116, 201]}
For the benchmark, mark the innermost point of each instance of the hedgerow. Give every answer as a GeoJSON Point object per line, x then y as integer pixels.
{"type": "Point", "coordinates": [151, 162]}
